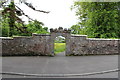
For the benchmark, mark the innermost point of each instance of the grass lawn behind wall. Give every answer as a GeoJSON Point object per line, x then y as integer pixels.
{"type": "Point", "coordinates": [59, 47]}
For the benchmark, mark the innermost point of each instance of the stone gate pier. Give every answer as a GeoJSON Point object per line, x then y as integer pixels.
{"type": "Point", "coordinates": [43, 44]}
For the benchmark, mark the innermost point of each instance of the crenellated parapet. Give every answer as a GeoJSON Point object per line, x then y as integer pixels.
{"type": "Point", "coordinates": [60, 30]}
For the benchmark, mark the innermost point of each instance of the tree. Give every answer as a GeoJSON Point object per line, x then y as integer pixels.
{"type": "Point", "coordinates": [10, 16]}
{"type": "Point", "coordinates": [36, 27]}
{"type": "Point", "coordinates": [78, 29]}
{"type": "Point", "coordinates": [75, 29]}
{"type": "Point", "coordinates": [99, 19]}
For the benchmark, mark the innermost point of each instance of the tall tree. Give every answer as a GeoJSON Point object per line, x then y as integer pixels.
{"type": "Point", "coordinates": [11, 13]}
{"type": "Point", "coordinates": [99, 19]}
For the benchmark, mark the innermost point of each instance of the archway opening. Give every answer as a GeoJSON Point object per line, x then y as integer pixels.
{"type": "Point", "coordinates": [59, 45]}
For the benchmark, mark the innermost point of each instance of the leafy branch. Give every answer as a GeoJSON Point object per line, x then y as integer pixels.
{"type": "Point", "coordinates": [31, 6]}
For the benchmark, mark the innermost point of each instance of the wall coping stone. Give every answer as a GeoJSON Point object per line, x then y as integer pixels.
{"type": "Point", "coordinates": [22, 36]}
{"type": "Point", "coordinates": [6, 38]}
{"type": "Point", "coordinates": [35, 34]}
{"type": "Point", "coordinates": [101, 39]}
{"type": "Point", "coordinates": [79, 35]}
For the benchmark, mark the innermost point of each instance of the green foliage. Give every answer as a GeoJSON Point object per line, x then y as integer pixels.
{"type": "Point", "coordinates": [32, 27]}
{"type": "Point", "coordinates": [10, 17]}
{"type": "Point", "coordinates": [8, 20]}
{"type": "Point", "coordinates": [98, 19]}
{"type": "Point", "coordinates": [36, 27]}
{"type": "Point", "coordinates": [12, 25]}
{"type": "Point", "coordinates": [59, 47]}
{"type": "Point", "coordinates": [4, 27]}
{"type": "Point", "coordinates": [77, 29]}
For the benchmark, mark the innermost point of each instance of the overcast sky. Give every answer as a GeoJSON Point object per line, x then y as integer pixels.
{"type": "Point", "coordinates": [60, 13]}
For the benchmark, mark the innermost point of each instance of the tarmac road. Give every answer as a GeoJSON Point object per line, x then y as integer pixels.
{"type": "Point", "coordinates": [61, 64]}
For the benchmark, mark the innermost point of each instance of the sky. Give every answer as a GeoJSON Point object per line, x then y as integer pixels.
{"type": "Point", "coordinates": [60, 13]}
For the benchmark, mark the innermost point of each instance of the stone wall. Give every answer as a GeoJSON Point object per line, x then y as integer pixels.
{"type": "Point", "coordinates": [43, 44]}
{"type": "Point", "coordinates": [22, 46]}
{"type": "Point", "coordinates": [80, 45]}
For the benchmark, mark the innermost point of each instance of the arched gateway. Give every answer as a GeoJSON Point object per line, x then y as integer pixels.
{"type": "Point", "coordinates": [60, 32]}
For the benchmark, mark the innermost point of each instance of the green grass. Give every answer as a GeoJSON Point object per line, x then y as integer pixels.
{"type": "Point", "coordinates": [59, 47]}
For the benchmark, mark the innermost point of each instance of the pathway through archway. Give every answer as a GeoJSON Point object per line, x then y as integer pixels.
{"type": "Point", "coordinates": [60, 45]}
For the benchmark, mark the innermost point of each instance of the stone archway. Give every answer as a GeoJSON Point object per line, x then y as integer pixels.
{"type": "Point", "coordinates": [60, 32]}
